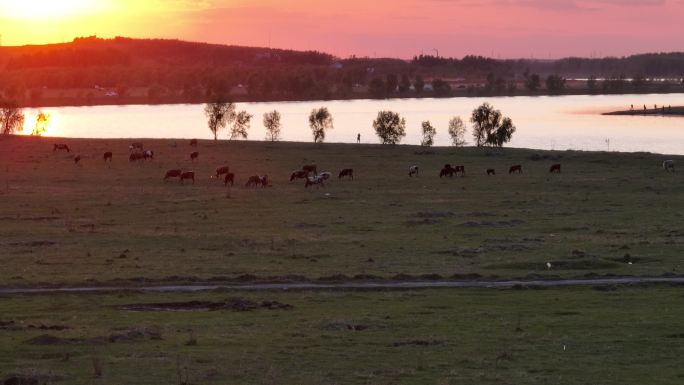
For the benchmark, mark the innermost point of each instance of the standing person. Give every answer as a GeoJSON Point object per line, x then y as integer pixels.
{"type": "Point", "coordinates": [358, 138]}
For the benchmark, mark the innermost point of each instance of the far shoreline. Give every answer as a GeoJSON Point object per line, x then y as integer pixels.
{"type": "Point", "coordinates": [418, 149]}
{"type": "Point", "coordinates": [677, 111]}
{"type": "Point", "coordinates": [172, 101]}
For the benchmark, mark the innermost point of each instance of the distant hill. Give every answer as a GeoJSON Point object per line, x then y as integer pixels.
{"type": "Point", "coordinates": [120, 51]}
{"type": "Point", "coordinates": [91, 70]}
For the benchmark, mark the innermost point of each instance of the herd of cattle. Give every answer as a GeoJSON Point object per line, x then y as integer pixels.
{"type": "Point", "coordinates": [308, 172]}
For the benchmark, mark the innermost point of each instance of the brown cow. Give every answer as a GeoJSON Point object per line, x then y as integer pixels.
{"type": "Point", "coordinates": [556, 168]}
{"type": "Point", "coordinates": [459, 170]}
{"type": "Point", "coordinates": [193, 143]}
{"type": "Point", "coordinates": [491, 171]}
{"type": "Point", "coordinates": [172, 174]}
{"type": "Point", "coordinates": [256, 180]}
{"type": "Point", "coordinates": [230, 178]}
{"type": "Point", "coordinates": [136, 156]}
{"type": "Point", "coordinates": [61, 147]}
{"type": "Point", "coordinates": [222, 171]}
{"type": "Point", "coordinates": [194, 156]}
{"type": "Point", "coordinates": [447, 170]}
{"type": "Point", "coordinates": [77, 159]}
{"type": "Point", "coordinates": [187, 175]}
{"type": "Point", "coordinates": [136, 146]}
{"type": "Point", "coordinates": [348, 172]}
{"type": "Point", "coordinates": [107, 156]}
{"type": "Point", "coordinates": [515, 169]}
{"type": "Point", "coordinates": [301, 174]}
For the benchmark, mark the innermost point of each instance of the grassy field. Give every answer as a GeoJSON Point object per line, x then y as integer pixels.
{"type": "Point", "coordinates": [119, 222]}
{"type": "Point", "coordinates": [556, 336]}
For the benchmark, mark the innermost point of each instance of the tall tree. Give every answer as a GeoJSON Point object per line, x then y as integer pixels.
{"type": "Point", "coordinates": [404, 84]}
{"type": "Point", "coordinates": [457, 131]}
{"type": "Point", "coordinates": [532, 82]}
{"type": "Point", "coordinates": [419, 84]}
{"type": "Point", "coordinates": [555, 83]}
{"type": "Point", "coordinates": [429, 133]}
{"type": "Point", "coordinates": [241, 125]}
{"type": "Point", "coordinates": [220, 113]}
{"type": "Point", "coordinates": [320, 120]}
{"type": "Point", "coordinates": [272, 124]}
{"type": "Point", "coordinates": [490, 128]}
{"type": "Point", "coordinates": [390, 127]}
{"type": "Point", "coordinates": [11, 118]}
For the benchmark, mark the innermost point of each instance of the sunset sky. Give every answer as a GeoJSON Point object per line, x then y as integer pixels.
{"type": "Point", "coordinates": [398, 28]}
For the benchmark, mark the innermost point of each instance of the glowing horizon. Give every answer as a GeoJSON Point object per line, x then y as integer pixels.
{"type": "Point", "coordinates": [400, 28]}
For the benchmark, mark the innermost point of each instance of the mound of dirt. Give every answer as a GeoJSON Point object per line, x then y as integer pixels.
{"type": "Point", "coordinates": [233, 304]}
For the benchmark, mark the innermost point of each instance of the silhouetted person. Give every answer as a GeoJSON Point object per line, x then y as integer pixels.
{"type": "Point", "coordinates": [358, 138]}
{"type": "Point", "coordinates": [644, 108]}
{"type": "Point", "coordinates": [663, 109]}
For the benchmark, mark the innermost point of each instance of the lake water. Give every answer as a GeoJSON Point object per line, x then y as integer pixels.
{"type": "Point", "coordinates": [558, 123]}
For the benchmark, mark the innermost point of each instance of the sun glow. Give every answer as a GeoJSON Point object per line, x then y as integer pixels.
{"type": "Point", "coordinates": [48, 9]}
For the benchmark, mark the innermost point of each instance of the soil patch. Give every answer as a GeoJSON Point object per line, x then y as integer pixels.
{"type": "Point", "coordinates": [234, 304]}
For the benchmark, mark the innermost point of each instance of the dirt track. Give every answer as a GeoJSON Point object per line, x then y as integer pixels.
{"type": "Point", "coordinates": [387, 285]}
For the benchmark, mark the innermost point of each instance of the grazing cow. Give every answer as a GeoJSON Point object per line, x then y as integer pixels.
{"type": "Point", "coordinates": [325, 175]}
{"type": "Point", "coordinates": [193, 143]}
{"type": "Point", "coordinates": [447, 170]}
{"type": "Point", "coordinates": [515, 169]}
{"type": "Point", "coordinates": [172, 174]}
{"type": "Point", "coordinates": [61, 147]}
{"type": "Point", "coordinates": [314, 181]}
{"type": "Point", "coordinates": [77, 159]}
{"type": "Point", "coordinates": [222, 171]}
{"type": "Point", "coordinates": [230, 178]}
{"type": "Point", "coordinates": [136, 146]}
{"type": "Point", "coordinates": [459, 170]}
{"type": "Point", "coordinates": [136, 156]}
{"type": "Point", "coordinates": [348, 172]}
{"type": "Point", "coordinates": [194, 156]}
{"type": "Point", "coordinates": [310, 168]}
{"type": "Point", "coordinates": [148, 155]}
{"type": "Point", "coordinates": [187, 175]}
{"type": "Point", "coordinates": [556, 168]}
{"type": "Point", "coordinates": [256, 180]}
{"type": "Point", "coordinates": [108, 156]}
{"type": "Point", "coordinates": [668, 166]}
{"type": "Point", "coordinates": [413, 170]}
{"type": "Point", "coordinates": [301, 174]}
{"type": "Point", "coordinates": [491, 171]}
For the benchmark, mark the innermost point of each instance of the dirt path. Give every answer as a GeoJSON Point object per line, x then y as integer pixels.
{"type": "Point", "coordinates": [388, 285]}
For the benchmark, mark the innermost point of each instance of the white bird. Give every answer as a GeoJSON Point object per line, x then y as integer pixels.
{"type": "Point", "coordinates": [548, 265]}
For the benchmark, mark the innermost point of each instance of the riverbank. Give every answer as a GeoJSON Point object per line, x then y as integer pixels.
{"type": "Point", "coordinates": [93, 97]}
{"type": "Point", "coordinates": [662, 111]}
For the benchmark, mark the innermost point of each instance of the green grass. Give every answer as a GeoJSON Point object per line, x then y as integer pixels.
{"type": "Point", "coordinates": [554, 336]}
{"type": "Point", "coordinates": [65, 224]}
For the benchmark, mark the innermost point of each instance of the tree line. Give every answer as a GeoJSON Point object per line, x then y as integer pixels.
{"type": "Point", "coordinates": [489, 127]}
{"type": "Point", "coordinates": [172, 71]}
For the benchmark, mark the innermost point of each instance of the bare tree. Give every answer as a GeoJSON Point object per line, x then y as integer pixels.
{"type": "Point", "coordinates": [220, 113]}
{"type": "Point", "coordinates": [429, 133]}
{"type": "Point", "coordinates": [320, 121]}
{"type": "Point", "coordinates": [11, 118]}
{"type": "Point", "coordinates": [241, 125]}
{"type": "Point", "coordinates": [457, 131]}
{"type": "Point", "coordinates": [272, 124]}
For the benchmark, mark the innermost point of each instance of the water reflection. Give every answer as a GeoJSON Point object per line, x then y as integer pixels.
{"type": "Point", "coordinates": [560, 123]}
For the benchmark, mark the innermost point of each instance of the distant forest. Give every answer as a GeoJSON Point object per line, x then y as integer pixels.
{"type": "Point", "coordinates": [91, 70]}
